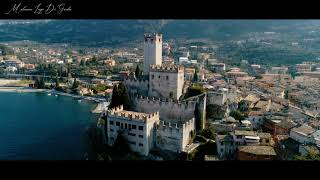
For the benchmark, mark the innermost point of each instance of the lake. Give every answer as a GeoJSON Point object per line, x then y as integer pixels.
{"type": "Point", "coordinates": [36, 126]}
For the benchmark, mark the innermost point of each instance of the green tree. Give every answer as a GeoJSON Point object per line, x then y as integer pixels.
{"type": "Point", "coordinates": [171, 95]}
{"type": "Point", "coordinates": [115, 100]}
{"type": "Point", "coordinates": [195, 76]}
{"type": "Point", "coordinates": [197, 116]}
{"type": "Point", "coordinates": [138, 72]}
{"type": "Point", "coordinates": [57, 81]}
{"type": "Point", "coordinates": [215, 111]}
{"type": "Point", "coordinates": [286, 94]}
{"type": "Point", "coordinates": [121, 145]}
{"type": "Point", "coordinates": [194, 90]}
{"type": "Point", "coordinates": [236, 115]}
{"type": "Point", "coordinates": [124, 96]}
{"type": "Point", "coordinates": [75, 84]}
{"type": "Point", "coordinates": [313, 68]}
{"type": "Point", "coordinates": [82, 62]}
{"type": "Point", "coordinates": [208, 133]}
{"type": "Point", "coordinates": [258, 76]}
{"type": "Point", "coordinates": [94, 60]}
{"type": "Point", "coordinates": [39, 83]}
{"type": "Point", "coordinates": [120, 96]}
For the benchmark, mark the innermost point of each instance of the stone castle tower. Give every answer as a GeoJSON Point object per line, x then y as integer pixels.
{"type": "Point", "coordinates": [152, 51]}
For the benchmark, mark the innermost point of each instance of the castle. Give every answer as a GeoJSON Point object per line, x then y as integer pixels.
{"type": "Point", "coordinates": [164, 81]}
{"type": "Point", "coordinates": [145, 131]}
{"type": "Point", "coordinates": [160, 119]}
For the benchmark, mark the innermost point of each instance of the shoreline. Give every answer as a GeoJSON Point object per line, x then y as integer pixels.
{"type": "Point", "coordinates": [101, 102]}
{"type": "Point", "coordinates": [20, 89]}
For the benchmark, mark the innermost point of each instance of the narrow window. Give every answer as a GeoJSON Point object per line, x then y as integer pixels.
{"type": "Point", "coordinates": [134, 127]}
{"type": "Point", "coordinates": [141, 128]}
{"type": "Point", "coordinates": [111, 122]}
{"type": "Point", "coordinates": [117, 123]}
{"type": "Point", "coordinates": [140, 136]}
{"type": "Point", "coordinates": [140, 144]}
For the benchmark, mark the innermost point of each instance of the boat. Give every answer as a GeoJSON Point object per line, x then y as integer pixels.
{"type": "Point", "coordinates": [79, 100]}
{"type": "Point", "coordinates": [49, 94]}
{"type": "Point", "coordinates": [56, 95]}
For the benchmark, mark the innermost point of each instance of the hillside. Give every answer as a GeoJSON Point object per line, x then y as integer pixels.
{"type": "Point", "coordinates": [259, 41]}
{"type": "Point", "coordinates": [114, 32]}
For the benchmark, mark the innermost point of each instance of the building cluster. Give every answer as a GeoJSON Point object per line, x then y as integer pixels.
{"type": "Point", "coordinates": [159, 120]}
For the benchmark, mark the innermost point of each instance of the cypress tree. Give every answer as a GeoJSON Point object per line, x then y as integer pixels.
{"type": "Point", "coordinates": [138, 72]}
{"type": "Point", "coordinates": [115, 98]}
{"type": "Point", "coordinates": [75, 84]}
{"type": "Point", "coordinates": [195, 76]}
{"type": "Point", "coordinates": [197, 116]}
{"type": "Point", "coordinates": [120, 96]}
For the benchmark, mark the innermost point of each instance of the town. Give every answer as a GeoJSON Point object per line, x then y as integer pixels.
{"type": "Point", "coordinates": [164, 101]}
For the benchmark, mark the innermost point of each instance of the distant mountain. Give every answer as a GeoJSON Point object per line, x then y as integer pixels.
{"type": "Point", "coordinates": [118, 32]}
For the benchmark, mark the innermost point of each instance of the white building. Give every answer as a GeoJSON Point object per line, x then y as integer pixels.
{"type": "Point", "coordinates": [11, 69]}
{"type": "Point", "coordinates": [14, 63]}
{"type": "Point", "coordinates": [186, 54]}
{"type": "Point", "coordinates": [183, 60]}
{"type": "Point", "coordinates": [218, 67]}
{"type": "Point", "coordinates": [303, 67]}
{"type": "Point", "coordinates": [137, 128]}
{"type": "Point", "coordinates": [243, 137]}
{"type": "Point", "coordinates": [144, 131]}
{"type": "Point", "coordinates": [302, 134]}
{"type": "Point", "coordinates": [152, 51]}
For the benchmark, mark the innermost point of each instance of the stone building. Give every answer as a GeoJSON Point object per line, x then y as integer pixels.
{"type": "Point", "coordinates": [217, 97]}
{"type": "Point", "coordinates": [145, 131]}
{"type": "Point", "coordinates": [152, 51]}
{"type": "Point", "coordinates": [170, 111]}
{"type": "Point", "coordinates": [174, 137]}
{"type": "Point", "coordinates": [248, 153]}
{"type": "Point", "coordinates": [166, 81]}
{"type": "Point", "coordinates": [136, 127]}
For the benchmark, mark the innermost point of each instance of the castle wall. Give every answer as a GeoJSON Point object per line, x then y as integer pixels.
{"type": "Point", "coordinates": [135, 86]}
{"type": "Point", "coordinates": [169, 111]}
{"type": "Point", "coordinates": [174, 137]}
{"type": "Point", "coordinates": [218, 98]}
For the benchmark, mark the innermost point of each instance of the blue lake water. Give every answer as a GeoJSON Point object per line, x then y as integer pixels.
{"type": "Point", "coordinates": [35, 126]}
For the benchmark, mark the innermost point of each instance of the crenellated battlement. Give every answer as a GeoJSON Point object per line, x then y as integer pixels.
{"type": "Point", "coordinates": [133, 80]}
{"type": "Point", "coordinates": [131, 115]}
{"type": "Point", "coordinates": [166, 102]}
{"type": "Point", "coordinates": [152, 37]}
{"type": "Point", "coordinates": [165, 125]}
{"type": "Point", "coordinates": [166, 68]}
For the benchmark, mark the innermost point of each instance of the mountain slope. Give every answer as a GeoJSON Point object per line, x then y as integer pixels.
{"type": "Point", "coordinates": [116, 32]}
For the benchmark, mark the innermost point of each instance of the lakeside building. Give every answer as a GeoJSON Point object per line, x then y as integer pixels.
{"type": "Point", "coordinates": [137, 128]}
{"type": "Point", "coordinates": [14, 63]}
{"type": "Point", "coordinates": [145, 131]}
